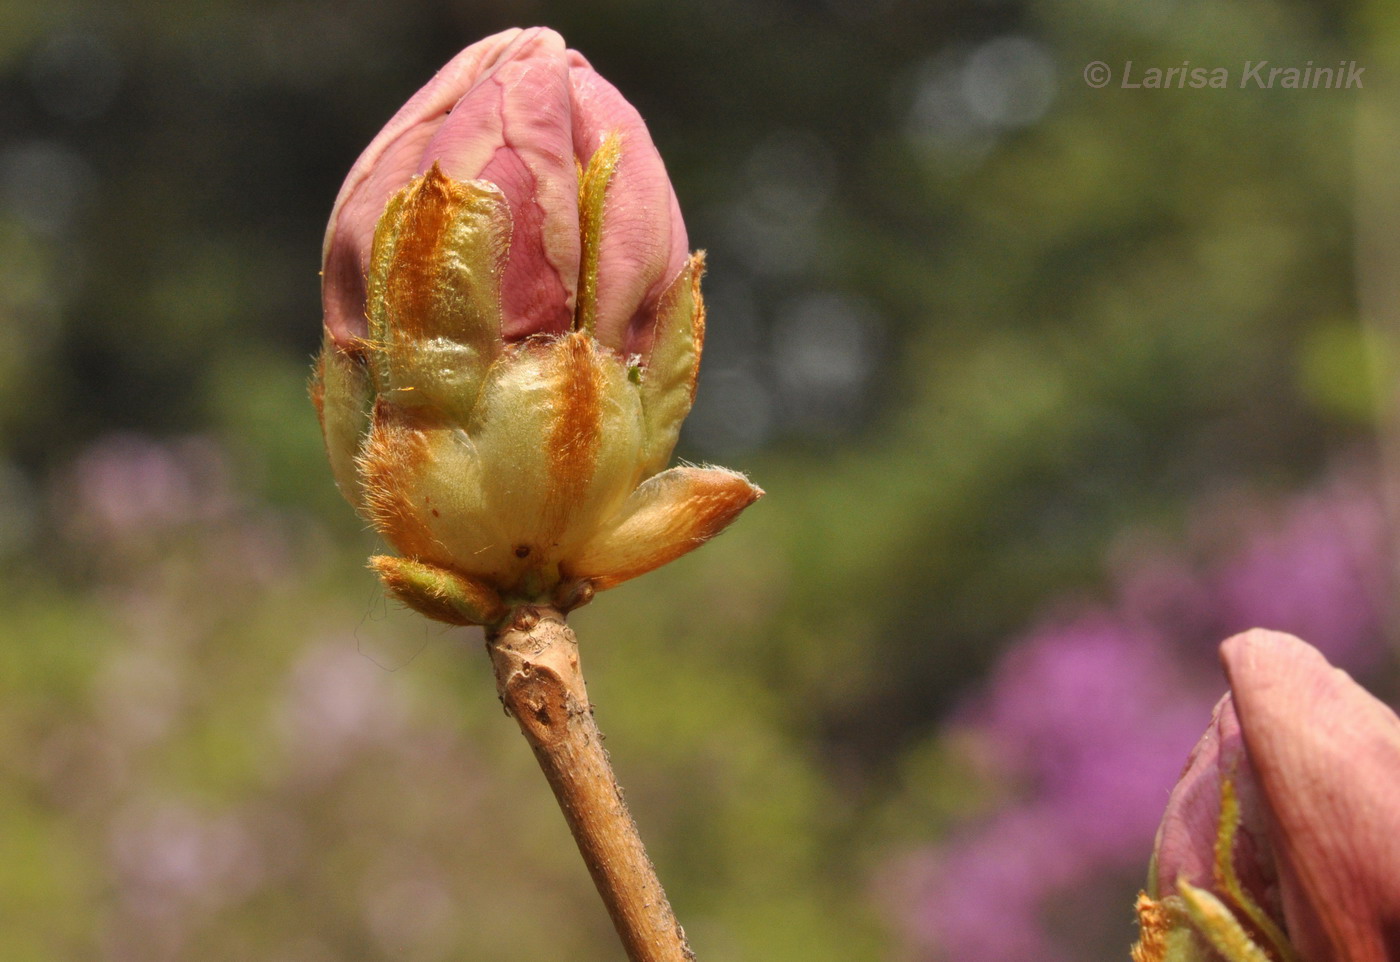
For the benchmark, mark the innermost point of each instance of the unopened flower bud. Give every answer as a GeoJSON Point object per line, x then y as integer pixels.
{"type": "Point", "coordinates": [513, 327]}
{"type": "Point", "coordinates": [1282, 839]}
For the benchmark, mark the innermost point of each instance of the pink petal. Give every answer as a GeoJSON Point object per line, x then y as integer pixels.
{"type": "Point", "coordinates": [512, 129]}
{"type": "Point", "coordinates": [385, 166]}
{"type": "Point", "coordinates": [1186, 839]}
{"type": "Point", "coordinates": [1327, 755]}
{"type": "Point", "coordinates": [644, 244]}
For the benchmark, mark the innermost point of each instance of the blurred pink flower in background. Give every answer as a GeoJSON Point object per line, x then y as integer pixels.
{"type": "Point", "coordinates": [1320, 574]}
{"type": "Point", "coordinates": [337, 702]}
{"type": "Point", "coordinates": [127, 486]}
{"type": "Point", "coordinates": [1090, 713]}
{"type": "Point", "coordinates": [127, 501]}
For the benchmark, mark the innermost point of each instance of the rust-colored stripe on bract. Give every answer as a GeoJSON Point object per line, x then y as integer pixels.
{"type": "Point", "coordinates": [412, 288]}
{"type": "Point", "coordinates": [392, 458]}
{"type": "Point", "coordinates": [575, 431]}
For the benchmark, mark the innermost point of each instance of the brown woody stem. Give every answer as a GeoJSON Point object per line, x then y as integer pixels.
{"type": "Point", "coordinates": [535, 657]}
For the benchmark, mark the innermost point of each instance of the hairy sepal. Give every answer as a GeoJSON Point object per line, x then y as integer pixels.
{"type": "Point", "coordinates": [549, 453]}
{"type": "Point", "coordinates": [438, 593]}
{"type": "Point", "coordinates": [671, 367]}
{"type": "Point", "coordinates": [343, 395]}
{"type": "Point", "coordinates": [669, 515]}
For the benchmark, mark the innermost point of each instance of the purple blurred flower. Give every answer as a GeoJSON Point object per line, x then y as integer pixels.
{"type": "Point", "coordinates": [1081, 710]}
{"type": "Point", "coordinates": [979, 897]}
{"type": "Point", "coordinates": [1093, 717]}
{"type": "Point", "coordinates": [1320, 574]}
{"type": "Point", "coordinates": [169, 858]}
{"type": "Point", "coordinates": [142, 509]}
{"type": "Point", "coordinates": [1090, 714]}
{"type": "Point", "coordinates": [128, 487]}
{"type": "Point", "coordinates": [337, 701]}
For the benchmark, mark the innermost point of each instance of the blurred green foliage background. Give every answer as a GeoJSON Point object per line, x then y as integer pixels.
{"type": "Point", "coordinates": [971, 320]}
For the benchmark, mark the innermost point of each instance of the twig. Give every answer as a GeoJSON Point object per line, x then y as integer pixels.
{"type": "Point", "coordinates": [535, 656]}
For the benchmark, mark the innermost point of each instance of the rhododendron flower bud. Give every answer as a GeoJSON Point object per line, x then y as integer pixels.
{"type": "Point", "coordinates": [513, 327]}
{"type": "Point", "coordinates": [1282, 839]}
